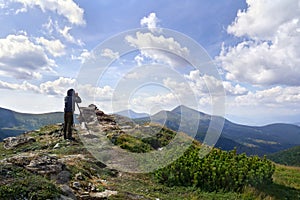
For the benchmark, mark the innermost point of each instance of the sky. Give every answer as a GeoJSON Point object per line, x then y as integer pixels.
{"type": "Point", "coordinates": [144, 55]}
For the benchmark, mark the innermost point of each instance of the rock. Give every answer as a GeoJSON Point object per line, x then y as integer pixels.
{"type": "Point", "coordinates": [76, 185]}
{"type": "Point", "coordinates": [99, 113]}
{"type": "Point", "coordinates": [78, 176]}
{"type": "Point", "coordinates": [21, 159]}
{"type": "Point", "coordinates": [105, 194]}
{"type": "Point", "coordinates": [63, 197]}
{"type": "Point", "coordinates": [63, 177]}
{"type": "Point", "coordinates": [68, 191]}
{"type": "Point", "coordinates": [12, 142]}
{"type": "Point", "coordinates": [45, 165]}
{"type": "Point", "coordinates": [56, 146]}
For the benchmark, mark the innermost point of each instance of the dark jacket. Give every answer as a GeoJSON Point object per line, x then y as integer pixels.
{"type": "Point", "coordinates": [70, 100]}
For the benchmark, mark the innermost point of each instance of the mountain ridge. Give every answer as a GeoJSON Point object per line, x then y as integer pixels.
{"type": "Point", "coordinates": [42, 165]}
{"type": "Point", "coordinates": [14, 123]}
{"type": "Point", "coordinates": [132, 114]}
{"type": "Point", "coordinates": [258, 139]}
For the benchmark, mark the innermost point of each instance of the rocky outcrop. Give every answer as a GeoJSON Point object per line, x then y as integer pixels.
{"type": "Point", "coordinates": [39, 164]}
{"type": "Point", "coordinates": [12, 142]}
{"type": "Point", "coordinates": [45, 164]}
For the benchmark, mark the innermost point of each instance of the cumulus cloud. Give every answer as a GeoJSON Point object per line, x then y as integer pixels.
{"type": "Point", "coordinates": [110, 54]}
{"type": "Point", "coordinates": [262, 18]}
{"type": "Point", "coordinates": [23, 59]}
{"type": "Point", "coordinates": [150, 21]}
{"type": "Point", "coordinates": [154, 103]}
{"type": "Point", "coordinates": [204, 85]}
{"type": "Point", "coordinates": [84, 55]}
{"type": "Point", "coordinates": [159, 49]}
{"type": "Point", "coordinates": [278, 96]}
{"type": "Point", "coordinates": [270, 56]}
{"type": "Point", "coordinates": [54, 47]}
{"type": "Point", "coordinates": [59, 87]}
{"type": "Point", "coordinates": [24, 86]}
{"type": "Point", "coordinates": [67, 8]}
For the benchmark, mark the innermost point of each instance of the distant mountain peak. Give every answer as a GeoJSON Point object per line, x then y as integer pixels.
{"type": "Point", "coordinates": [132, 114]}
{"type": "Point", "coordinates": [182, 109]}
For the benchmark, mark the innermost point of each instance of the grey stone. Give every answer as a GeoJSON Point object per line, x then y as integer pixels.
{"type": "Point", "coordinates": [105, 194]}
{"type": "Point", "coordinates": [68, 191]}
{"type": "Point", "coordinates": [45, 165]}
{"type": "Point", "coordinates": [56, 146]}
{"type": "Point", "coordinates": [12, 142]}
{"type": "Point", "coordinates": [63, 177]}
{"type": "Point", "coordinates": [78, 176]}
{"type": "Point", "coordinates": [76, 185]}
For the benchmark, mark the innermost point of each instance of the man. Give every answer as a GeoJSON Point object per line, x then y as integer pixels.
{"type": "Point", "coordinates": [70, 101]}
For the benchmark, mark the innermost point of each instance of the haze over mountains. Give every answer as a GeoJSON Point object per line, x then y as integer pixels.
{"type": "Point", "coordinates": [253, 140]}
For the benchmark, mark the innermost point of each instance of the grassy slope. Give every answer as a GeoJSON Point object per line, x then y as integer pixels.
{"type": "Point", "coordinates": [287, 157]}
{"type": "Point", "coordinates": [130, 186]}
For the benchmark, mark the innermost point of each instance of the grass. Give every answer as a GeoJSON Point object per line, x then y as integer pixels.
{"type": "Point", "coordinates": [286, 185]}
{"type": "Point", "coordinates": [16, 182]}
{"type": "Point", "coordinates": [288, 176]}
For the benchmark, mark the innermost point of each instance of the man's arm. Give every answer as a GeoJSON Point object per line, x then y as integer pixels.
{"type": "Point", "coordinates": [77, 98]}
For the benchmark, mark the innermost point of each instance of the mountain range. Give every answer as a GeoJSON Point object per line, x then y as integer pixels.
{"type": "Point", "coordinates": [252, 140]}
{"type": "Point", "coordinates": [132, 114]}
{"type": "Point", "coordinates": [15, 123]}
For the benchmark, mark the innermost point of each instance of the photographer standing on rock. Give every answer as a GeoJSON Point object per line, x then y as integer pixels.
{"type": "Point", "coordinates": [70, 101]}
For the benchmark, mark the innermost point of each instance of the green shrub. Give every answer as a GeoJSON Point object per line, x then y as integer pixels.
{"type": "Point", "coordinates": [217, 171]}
{"type": "Point", "coordinates": [132, 144]}
{"type": "Point", "coordinates": [29, 187]}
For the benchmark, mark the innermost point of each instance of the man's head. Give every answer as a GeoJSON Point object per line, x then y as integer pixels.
{"type": "Point", "coordinates": [71, 92]}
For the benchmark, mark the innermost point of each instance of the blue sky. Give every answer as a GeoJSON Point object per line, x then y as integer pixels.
{"type": "Point", "coordinates": [44, 45]}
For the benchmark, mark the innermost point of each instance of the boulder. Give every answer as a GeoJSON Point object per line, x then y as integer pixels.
{"type": "Point", "coordinates": [63, 177]}
{"type": "Point", "coordinates": [105, 194]}
{"type": "Point", "coordinates": [68, 191]}
{"type": "Point", "coordinates": [45, 165]}
{"type": "Point", "coordinates": [12, 142]}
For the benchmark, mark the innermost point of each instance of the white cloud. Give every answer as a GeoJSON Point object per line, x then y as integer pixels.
{"type": "Point", "coordinates": [262, 18]}
{"type": "Point", "coordinates": [234, 89]}
{"type": "Point", "coordinates": [204, 85]}
{"type": "Point", "coordinates": [274, 97]}
{"type": "Point", "coordinates": [90, 92]}
{"type": "Point", "coordinates": [50, 25]}
{"type": "Point", "coordinates": [84, 55]}
{"type": "Point", "coordinates": [154, 103]}
{"type": "Point", "coordinates": [54, 47]}
{"type": "Point", "coordinates": [271, 55]}
{"type": "Point", "coordinates": [158, 48]}
{"type": "Point", "coordinates": [24, 86]}
{"type": "Point", "coordinates": [110, 54]}
{"type": "Point", "coordinates": [57, 87]}
{"type": "Point", "coordinates": [67, 8]}
{"type": "Point", "coordinates": [133, 75]}
{"type": "Point", "coordinates": [150, 22]}
{"type": "Point", "coordinates": [22, 59]}
{"type": "Point", "coordinates": [139, 59]}
{"type": "Point", "coordinates": [65, 32]}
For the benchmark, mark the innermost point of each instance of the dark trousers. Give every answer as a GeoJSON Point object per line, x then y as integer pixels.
{"type": "Point", "coordinates": [68, 118]}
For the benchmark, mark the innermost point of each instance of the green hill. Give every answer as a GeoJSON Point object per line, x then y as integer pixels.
{"type": "Point", "coordinates": [14, 123]}
{"type": "Point", "coordinates": [42, 165]}
{"type": "Point", "coordinates": [287, 157]}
